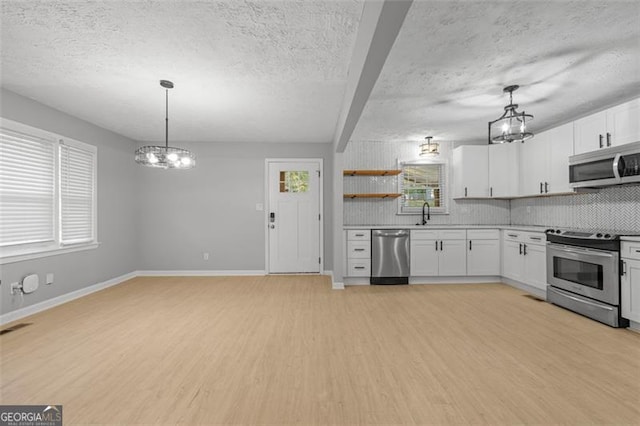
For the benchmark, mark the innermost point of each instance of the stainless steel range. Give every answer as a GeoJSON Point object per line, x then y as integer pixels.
{"type": "Point", "coordinates": [583, 273]}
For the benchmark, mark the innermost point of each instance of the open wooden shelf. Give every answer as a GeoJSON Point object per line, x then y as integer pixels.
{"type": "Point", "coordinates": [380, 195]}
{"type": "Point", "coordinates": [371, 172]}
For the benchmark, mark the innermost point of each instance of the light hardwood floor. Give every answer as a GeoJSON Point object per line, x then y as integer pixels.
{"type": "Point", "coordinates": [289, 350]}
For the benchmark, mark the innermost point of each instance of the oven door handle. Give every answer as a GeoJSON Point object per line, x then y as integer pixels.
{"type": "Point", "coordinates": [586, 302]}
{"type": "Point", "coordinates": [578, 251]}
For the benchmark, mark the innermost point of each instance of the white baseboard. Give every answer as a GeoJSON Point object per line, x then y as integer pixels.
{"type": "Point", "coordinates": [199, 273]}
{"type": "Point", "coordinates": [59, 300]}
{"type": "Point", "coordinates": [634, 326]}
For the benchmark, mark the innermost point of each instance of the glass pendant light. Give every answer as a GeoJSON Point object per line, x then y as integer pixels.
{"type": "Point", "coordinates": [430, 148]}
{"type": "Point", "coordinates": [165, 157]}
{"type": "Point", "coordinates": [512, 124]}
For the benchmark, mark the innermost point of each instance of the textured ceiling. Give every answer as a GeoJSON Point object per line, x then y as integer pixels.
{"type": "Point", "coordinates": [258, 71]}
{"type": "Point", "coordinates": [276, 71]}
{"type": "Point", "coordinates": [445, 74]}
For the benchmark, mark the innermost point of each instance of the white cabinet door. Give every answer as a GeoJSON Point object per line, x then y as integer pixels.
{"type": "Point", "coordinates": [559, 149]}
{"type": "Point", "coordinates": [483, 257]}
{"type": "Point", "coordinates": [512, 260]}
{"type": "Point", "coordinates": [535, 266]}
{"type": "Point", "coordinates": [424, 258]}
{"type": "Point", "coordinates": [452, 258]}
{"type": "Point", "coordinates": [504, 173]}
{"type": "Point", "coordinates": [590, 132]}
{"type": "Point", "coordinates": [533, 167]}
{"type": "Point", "coordinates": [630, 290]}
{"type": "Point", "coordinates": [623, 123]}
{"type": "Point", "coordinates": [471, 171]}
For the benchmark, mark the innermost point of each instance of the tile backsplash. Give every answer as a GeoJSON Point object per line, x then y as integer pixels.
{"type": "Point", "coordinates": [616, 208]}
{"type": "Point", "coordinates": [613, 208]}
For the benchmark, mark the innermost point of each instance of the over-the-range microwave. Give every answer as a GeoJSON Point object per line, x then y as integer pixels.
{"type": "Point", "coordinates": [609, 166]}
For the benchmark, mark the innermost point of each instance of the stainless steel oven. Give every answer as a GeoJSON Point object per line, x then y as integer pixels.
{"type": "Point", "coordinates": [583, 273]}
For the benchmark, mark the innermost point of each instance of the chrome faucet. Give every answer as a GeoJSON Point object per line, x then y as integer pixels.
{"type": "Point", "coordinates": [424, 221]}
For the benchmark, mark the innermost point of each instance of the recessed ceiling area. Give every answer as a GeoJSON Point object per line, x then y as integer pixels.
{"type": "Point", "coordinates": [445, 74]}
{"type": "Point", "coordinates": [278, 71]}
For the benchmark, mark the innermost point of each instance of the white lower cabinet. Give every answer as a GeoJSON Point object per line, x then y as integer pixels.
{"type": "Point", "coordinates": [358, 253]}
{"type": "Point", "coordinates": [630, 281]}
{"type": "Point", "coordinates": [438, 252]}
{"type": "Point", "coordinates": [524, 258]}
{"type": "Point", "coordinates": [483, 252]}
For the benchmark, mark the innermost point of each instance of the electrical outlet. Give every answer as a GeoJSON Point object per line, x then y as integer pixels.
{"type": "Point", "coordinates": [49, 280]}
{"type": "Point", "coordinates": [205, 256]}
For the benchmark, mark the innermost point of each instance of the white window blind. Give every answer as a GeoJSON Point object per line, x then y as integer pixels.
{"type": "Point", "coordinates": [77, 184]}
{"type": "Point", "coordinates": [420, 183]}
{"type": "Point", "coordinates": [27, 188]}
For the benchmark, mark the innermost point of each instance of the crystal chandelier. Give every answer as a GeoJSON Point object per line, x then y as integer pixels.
{"type": "Point", "coordinates": [513, 124]}
{"type": "Point", "coordinates": [165, 157]}
{"type": "Point", "coordinates": [430, 148]}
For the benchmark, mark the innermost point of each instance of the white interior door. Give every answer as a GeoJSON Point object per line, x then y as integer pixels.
{"type": "Point", "coordinates": [293, 217]}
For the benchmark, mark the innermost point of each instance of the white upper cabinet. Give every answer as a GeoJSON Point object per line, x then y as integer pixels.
{"type": "Point", "coordinates": [544, 162]}
{"type": "Point", "coordinates": [471, 171]}
{"type": "Point", "coordinates": [504, 176]}
{"type": "Point", "coordinates": [615, 126]}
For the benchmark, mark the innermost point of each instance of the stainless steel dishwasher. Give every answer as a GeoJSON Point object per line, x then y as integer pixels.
{"type": "Point", "coordinates": [389, 256]}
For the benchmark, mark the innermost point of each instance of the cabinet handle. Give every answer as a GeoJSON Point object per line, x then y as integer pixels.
{"type": "Point", "coordinates": [358, 267]}
{"type": "Point", "coordinates": [512, 235]}
{"type": "Point", "coordinates": [469, 245]}
{"type": "Point", "coordinates": [440, 245]}
{"type": "Point", "coordinates": [536, 238]}
{"type": "Point", "coordinates": [541, 191]}
{"type": "Point", "coordinates": [465, 191]}
{"type": "Point", "coordinates": [624, 267]}
{"type": "Point", "coordinates": [637, 251]}
{"type": "Point", "coordinates": [608, 139]}
{"type": "Point", "coordinates": [436, 246]}
{"type": "Point", "coordinates": [358, 249]}
{"type": "Point", "coordinates": [491, 191]}
{"type": "Point", "coordinates": [546, 187]}
{"type": "Point", "coordinates": [359, 235]}
{"type": "Point", "coordinates": [524, 251]}
{"type": "Point", "coordinates": [600, 139]}
{"type": "Point", "coordinates": [520, 248]}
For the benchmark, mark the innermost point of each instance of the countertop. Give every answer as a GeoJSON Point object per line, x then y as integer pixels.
{"type": "Point", "coordinates": [635, 238]}
{"type": "Point", "coordinates": [526, 228]}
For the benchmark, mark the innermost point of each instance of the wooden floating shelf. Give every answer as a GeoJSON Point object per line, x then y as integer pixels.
{"type": "Point", "coordinates": [352, 196]}
{"type": "Point", "coordinates": [371, 172]}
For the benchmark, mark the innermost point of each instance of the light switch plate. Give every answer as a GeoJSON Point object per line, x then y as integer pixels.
{"type": "Point", "coordinates": [49, 280]}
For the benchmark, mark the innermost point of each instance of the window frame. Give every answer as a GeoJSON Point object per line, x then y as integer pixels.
{"type": "Point", "coordinates": [27, 251]}
{"type": "Point", "coordinates": [444, 187]}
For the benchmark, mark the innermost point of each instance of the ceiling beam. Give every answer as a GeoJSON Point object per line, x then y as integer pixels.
{"type": "Point", "coordinates": [379, 26]}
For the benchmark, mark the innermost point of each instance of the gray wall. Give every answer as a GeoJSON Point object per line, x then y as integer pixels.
{"type": "Point", "coordinates": [116, 254]}
{"type": "Point", "coordinates": [212, 208]}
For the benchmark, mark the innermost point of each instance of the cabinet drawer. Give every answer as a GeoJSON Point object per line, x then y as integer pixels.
{"type": "Point", "coordinates": [359, 249]}
{"type": "Point", "coordinates": [630, 250]}
{"type": "Point", "coordinates": [359, 235]}
{"type": "Point", "coordinates": [483, 234]}
{"type": "Point", "coordinates": [512, 236]}
{"type": "Point", "coordinates": [535, 238]}
{"type": "Point", "coordinates": [439, 234]}
{"type": "Point", "coordinates": [358, 268]}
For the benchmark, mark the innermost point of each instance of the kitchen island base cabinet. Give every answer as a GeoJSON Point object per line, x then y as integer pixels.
{"type": "Point", "coordinates": [524, 258]}
{"type": "Point", "coordinates": [630, 281]}
{"type": "Point", "coordinates": [438, 252]}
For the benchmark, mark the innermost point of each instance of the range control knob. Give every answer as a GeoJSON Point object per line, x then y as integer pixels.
{"type": "Point", "coordinates": [558, 231]}
{"type": "Point", "coordinates": [550, 231]}
{"type": "Point", "coordinates": [599, 235]}
{"type": "Point", "coordinates": [607, 235]}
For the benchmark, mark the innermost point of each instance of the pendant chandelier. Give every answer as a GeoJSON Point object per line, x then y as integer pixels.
{"type": "Point", "coordinates": [430, 148]}
{"type": "Point", "coordinates": [512, 124]}
{"type": "Point", "coordinates": [165, 157]}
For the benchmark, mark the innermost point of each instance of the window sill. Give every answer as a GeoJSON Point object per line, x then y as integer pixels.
{"type": "Point", "coordinates": [21, 256]}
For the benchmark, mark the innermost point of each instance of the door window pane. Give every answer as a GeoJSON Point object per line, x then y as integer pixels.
{"type": "Point", "coordinates": [294, 181]}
